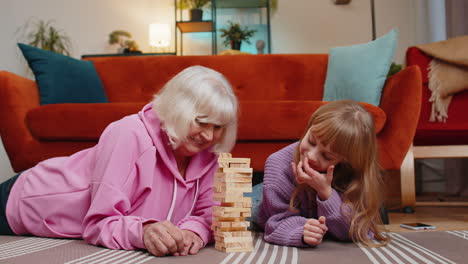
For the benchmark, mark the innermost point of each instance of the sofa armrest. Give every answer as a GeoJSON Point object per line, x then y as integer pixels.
{"type": "Point", "coordinates": [19, 95]}
{"type": "Point", "coordinates": [401, 101]}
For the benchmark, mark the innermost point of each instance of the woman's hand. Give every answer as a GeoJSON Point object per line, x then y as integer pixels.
{"type": "Point", "coordinates": [192, 243]}
{"type": "Point", "coordinates": [314, 231]}
{"type": "Point", "coordinates": [321, 183]}
{"type": "Point", "coordinates": [163, 238]}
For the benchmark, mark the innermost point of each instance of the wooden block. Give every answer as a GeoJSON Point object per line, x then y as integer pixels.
{"type": "Point", "coordinates": [228, 219]}
{"type": "Point", "coordinates": [224, 199]}
{"type": "Point", "coordinates": [225, 155]}
{"type": "Point", "coordinates": [227, 198]}
{"type": "Point", "coordinates": [223, 164]}
{"type": "Point", "coordinates": [235, 178]}
{"type": "Point", "coordinates": [244, 244]}
{"type": "Point", "coordinates": [226, 214]}
{"type": "Point", "coordinates": [238, 170]}
{"type": "Point", "coordinates": [244, 180]}
{"type": "Point", "coordinates": [223, 188]}
{"type": "Point", "coordinates": [235, 160]}
{"type": "Point", "coordinates": [233, 239]}
{"type": "Point", "coordinates": [228, 193]}
{"type": "Point", "coordinates": [231, 224]}
{"type": "Point", "coordinates": [245, 203]}
{"type": "Point", "coordinates": [230, 209]}
{"type": "Point", "coordinates": [233, 234]}
{"type": "Point", "coordinates": [229, 229]}
{"type": "Point", "coordinates": [236, 204]}
{"type": "Point", "coordinates": [238, 165]}
{"type": "Point", "coordinates": [222, 175]}
{"type": "Point", "coordinates": [233, 185]}
{"type": "Point", "coordinates": [232, 250]}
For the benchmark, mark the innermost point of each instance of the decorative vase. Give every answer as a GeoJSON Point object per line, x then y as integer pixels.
{"type": "Point", "coordinates": [235, 45]}
{"type": "Point", "coordinates": [196, 14]}
{"type": "Point", "coordinates": [260, 44]}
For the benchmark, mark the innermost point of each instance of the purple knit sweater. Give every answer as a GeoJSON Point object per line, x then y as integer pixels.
{"type": "Point", "coordinates": [283, 226]}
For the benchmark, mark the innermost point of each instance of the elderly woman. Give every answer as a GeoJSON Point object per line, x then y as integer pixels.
{"type": "Point", "coordinates": [147, 184]}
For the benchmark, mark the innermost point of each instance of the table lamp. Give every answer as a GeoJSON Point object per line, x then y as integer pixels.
{"type": "Point", "coordinates": [159, 36]}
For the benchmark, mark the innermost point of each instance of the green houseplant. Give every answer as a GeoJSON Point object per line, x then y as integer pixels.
{"type": "Point", "coordinates": [124, 39]}
{"type": "Point", "coordinates": [234, 35]}
{"type": "Point", "coordinates": [44, 35]}
{"type": "Point", "coordinates": [195, 7]}
{"type": "Point", "coordinates": [394, 68]}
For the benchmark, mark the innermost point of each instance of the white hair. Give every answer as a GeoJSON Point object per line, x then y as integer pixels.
{"type": "Point", "coordinates": [197, 93]}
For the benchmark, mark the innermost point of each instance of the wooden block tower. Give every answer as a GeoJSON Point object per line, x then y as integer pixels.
{"type": "Point", "coordinates": [233, 178]}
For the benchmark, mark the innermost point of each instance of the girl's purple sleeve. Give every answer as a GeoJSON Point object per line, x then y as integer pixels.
{"type": "Point", "coordinates": [338, 223]}
{"type": "Point", "coordinates": [282, 226]}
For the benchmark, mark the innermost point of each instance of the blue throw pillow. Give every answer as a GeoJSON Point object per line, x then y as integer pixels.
{"type": "Point", "coordinates": [359, 72]}
{"type": "Point", "coordinates": [62, 79]}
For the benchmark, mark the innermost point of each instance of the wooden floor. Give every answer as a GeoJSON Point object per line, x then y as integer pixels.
{"type": "Point", "coordinates": [443, 218]}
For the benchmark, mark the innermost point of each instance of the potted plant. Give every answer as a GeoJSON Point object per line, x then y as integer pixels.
{"type": "Point", "coordinates": [234, 35]}
{"type": "Point", "coordinates": [195, 6]}
{"type": "Point", "coordinates": [123, 38]}
{"type": "Point", "coordinates": [42, 34]}
{"type": "Point", "coordinates": [394, 68]}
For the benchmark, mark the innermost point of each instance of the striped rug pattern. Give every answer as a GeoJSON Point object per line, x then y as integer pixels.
{"type": "Point", "coordinates": [413, 247]}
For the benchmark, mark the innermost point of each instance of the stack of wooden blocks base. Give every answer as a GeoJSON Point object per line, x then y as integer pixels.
{"type": "Point", "coordinates": [232, 180]}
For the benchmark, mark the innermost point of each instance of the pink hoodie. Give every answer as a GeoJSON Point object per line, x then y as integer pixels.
{"type": "Point", "coordinates": [106, 193]}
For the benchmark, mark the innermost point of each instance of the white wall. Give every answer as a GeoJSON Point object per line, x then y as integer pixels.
{"type": "Point", "coordinates": [299, 26]}
{"type": "Point", "coordinates": [86, 22]}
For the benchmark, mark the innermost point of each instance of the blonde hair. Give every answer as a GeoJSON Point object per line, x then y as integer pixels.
{"type": "Point", "coordinates": [348, 129]}
{"type": "Point", "coordinates": [197, 93]}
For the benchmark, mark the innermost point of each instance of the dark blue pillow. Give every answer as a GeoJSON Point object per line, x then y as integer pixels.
{"type": "Point", "coordinates": [62, 79]}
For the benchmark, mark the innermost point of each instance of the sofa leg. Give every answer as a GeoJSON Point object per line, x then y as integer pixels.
{"type": "Point", "coordinates": [384, 215]}
{"type": "Point", "coordinates": [408, 189]}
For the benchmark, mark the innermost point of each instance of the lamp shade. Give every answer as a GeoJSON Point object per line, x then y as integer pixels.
{"type": "Point", "coordinates": [159, 35]}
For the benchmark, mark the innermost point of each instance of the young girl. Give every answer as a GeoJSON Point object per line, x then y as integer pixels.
{"type": "Point", "coordinates": [329, 182]}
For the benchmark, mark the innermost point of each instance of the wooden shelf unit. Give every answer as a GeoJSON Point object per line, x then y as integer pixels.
{"type": "Point", "coordinates": [194, 26]}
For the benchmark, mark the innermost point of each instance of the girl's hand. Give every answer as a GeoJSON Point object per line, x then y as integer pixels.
{"type": "Point", "coordinates": [163, 238]}
{"type": "Point", "coordinates": [321, 183]}
{"type": "Point", "coordinates": [192, 243]}
{"type": "Point", "coordinates": [314, 231]}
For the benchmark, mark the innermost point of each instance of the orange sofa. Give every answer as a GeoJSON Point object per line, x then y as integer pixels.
{"type": "Point", "coordinates": [277, 94]}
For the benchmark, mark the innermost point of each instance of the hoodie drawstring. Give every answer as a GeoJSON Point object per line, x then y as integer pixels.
{"type": "Point", "coordinates": [194, 200]}
{"type": "Point", "coordinates": [174, 196]}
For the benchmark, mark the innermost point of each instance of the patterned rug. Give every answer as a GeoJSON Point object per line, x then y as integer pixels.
{"type": "Point", "coordinates": [413, 247]}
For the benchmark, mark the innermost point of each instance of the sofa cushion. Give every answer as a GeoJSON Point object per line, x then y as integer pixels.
{"type": "Point", "coordinates": [285, 120]}
{"type": "Point", "coordinates": [359, 72]}
{"type": "Point", "coordinates": [263, 120]}
{"type": "Point", "coordinates": [263, 77]}
{"type": "Point", "coordinates": [63, 79]}
{"type": "Point", "coordinates": [76, 121]}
